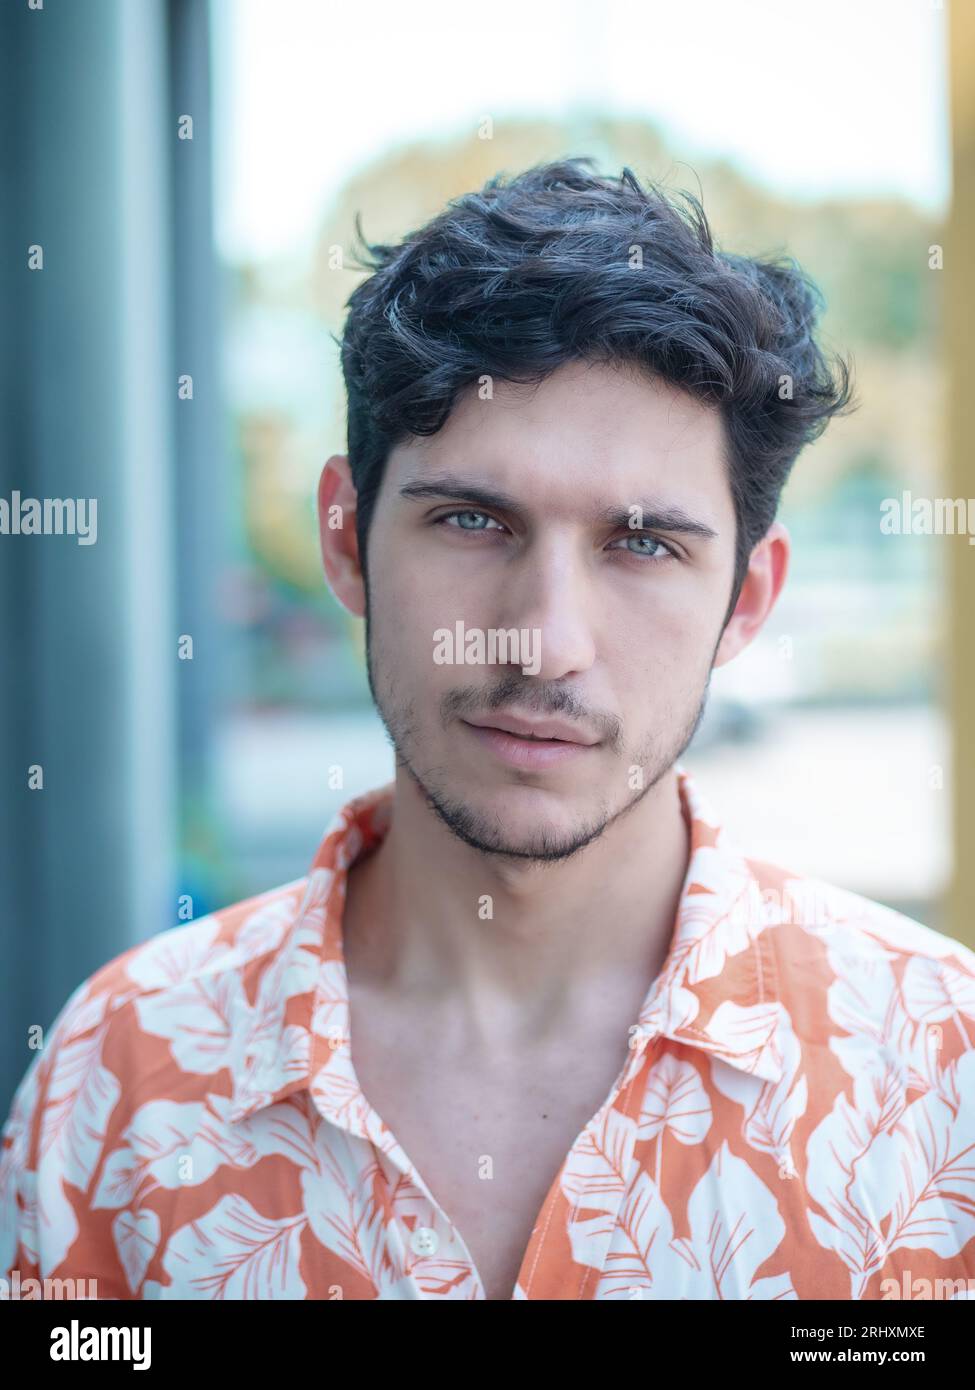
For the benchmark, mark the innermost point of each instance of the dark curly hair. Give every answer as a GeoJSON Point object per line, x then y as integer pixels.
{"type": "Point", "coordinates": [538, 270]}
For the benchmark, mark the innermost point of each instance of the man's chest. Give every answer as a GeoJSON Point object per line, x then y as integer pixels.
{"type": "Point", "coordinates": [488, 1143]}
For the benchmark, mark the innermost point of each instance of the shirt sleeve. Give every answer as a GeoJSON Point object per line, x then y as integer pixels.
{"type": "Point", "coordinates": [23, 1149]}
{"type": "Point", "coordinates": [18, 1148]}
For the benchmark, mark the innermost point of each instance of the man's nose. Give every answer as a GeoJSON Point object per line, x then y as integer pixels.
{"type": "Point", "coordinates": [549, 593]}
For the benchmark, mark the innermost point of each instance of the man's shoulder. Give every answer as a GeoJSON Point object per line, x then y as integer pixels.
{"type": "Point", "coordinates": [229, 938]}
{"type": "Point", "coordinates": [226, 941]}
{"type": "Point", "coordinates": [890, 998]}
{"type": "Point", "coordinates": [150, 1028]}
{"type": "Point", "coordinates": [171, 976]}
{"type": "Point", "coordinates": [855, 928]}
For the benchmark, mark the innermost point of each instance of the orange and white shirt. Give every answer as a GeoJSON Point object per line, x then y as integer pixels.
{"type": "Point", "coordinates": [795, 1117]}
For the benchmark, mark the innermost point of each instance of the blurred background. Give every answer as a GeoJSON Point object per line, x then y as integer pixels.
{"type": "Point", "coordinates": [192, 171]}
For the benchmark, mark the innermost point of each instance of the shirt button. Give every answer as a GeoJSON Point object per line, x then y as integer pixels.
{"type": "Point", "coordinates": [424, 1241]}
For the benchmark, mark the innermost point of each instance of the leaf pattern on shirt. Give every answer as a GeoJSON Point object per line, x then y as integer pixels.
{"type": "Point", "coordinates": [170, 1145]}
{"type": "Point", "coordinates": [796, 1116]}
{"type": "Point", "coordinates": [675, 1099]}
{"type": "Point", "coordinates": [734, 1224]}
{"type": "Point", "coordinates": [771, 1109]}
{"type": "Point", "coordinates": [235, 1252]}
{"type": "Point", "coordinates": [136, 1236]}
{"type": "Point", "coordinates": [889, 1175]}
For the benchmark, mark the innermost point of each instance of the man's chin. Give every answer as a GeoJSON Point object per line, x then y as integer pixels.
{"type": "Point", "coordinates": [519, 823]}
{"type": "Point", "coordinates": [535, 845]}
{"type": "Point", "coordinates": [522, 811]}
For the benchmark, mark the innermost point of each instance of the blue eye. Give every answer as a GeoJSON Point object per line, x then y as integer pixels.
{"type": "Point", "coordinates": [448, 516]}
{"type": "Point", "coordinates": [658, 545]}
{"type": "Point", "coordinates": [662, 551]}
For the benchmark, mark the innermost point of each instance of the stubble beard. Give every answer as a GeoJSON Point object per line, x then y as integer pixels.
{"type": "Point", "coordinates": [484, 832]}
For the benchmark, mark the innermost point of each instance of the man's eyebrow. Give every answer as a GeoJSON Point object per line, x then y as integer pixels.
{"type": "Point", "coordinates": [650, 515]}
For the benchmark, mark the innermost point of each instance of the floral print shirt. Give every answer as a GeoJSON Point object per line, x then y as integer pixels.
{"type": "Point", "coordinates": [795, 1116]}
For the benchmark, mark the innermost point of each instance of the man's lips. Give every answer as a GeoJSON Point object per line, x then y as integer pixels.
{"type": "Point", "coordinates": [536, 730]}
{"type": "Point", "coordinates": [527, 752]}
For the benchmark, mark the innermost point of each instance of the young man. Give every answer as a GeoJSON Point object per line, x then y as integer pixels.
{"type": "Point", "coordinates": [532, 1027]}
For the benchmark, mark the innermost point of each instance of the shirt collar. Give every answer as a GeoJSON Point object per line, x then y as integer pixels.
{"type": "Point", "coordinates": [717, 990]}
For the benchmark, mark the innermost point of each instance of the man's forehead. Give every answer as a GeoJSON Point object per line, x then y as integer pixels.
{"type": "Point", "coordinates": [589, 416]}
{"type": "Point", "coordinates": [586, 388]}
{"type": "Point", "coordinates": [548, 454]}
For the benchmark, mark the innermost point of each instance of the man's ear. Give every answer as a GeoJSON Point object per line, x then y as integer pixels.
{"type": "Point", "coordinates": [767, 568]}
{"type": "Point", "coordinates": [337, 534]}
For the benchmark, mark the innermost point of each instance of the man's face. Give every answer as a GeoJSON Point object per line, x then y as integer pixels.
{"type": "Point", "coordinates": [621, 631]}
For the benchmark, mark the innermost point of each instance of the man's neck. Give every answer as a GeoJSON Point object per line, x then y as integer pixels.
{"type": "Point", "coordinates": [434, 924]}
